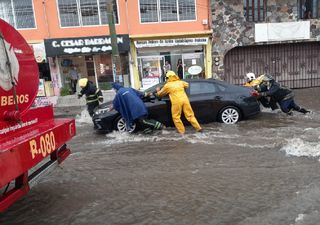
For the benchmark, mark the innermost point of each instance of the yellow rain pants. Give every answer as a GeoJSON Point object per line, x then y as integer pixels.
{"type": "Point", "coordinates": [175, 88]}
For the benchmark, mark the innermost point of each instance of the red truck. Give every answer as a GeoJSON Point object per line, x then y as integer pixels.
{"type": "Point", "coordinates": [32, 141]}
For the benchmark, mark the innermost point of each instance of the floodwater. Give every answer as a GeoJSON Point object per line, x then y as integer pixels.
{"type": "Point", "coordinates": [263, 171]}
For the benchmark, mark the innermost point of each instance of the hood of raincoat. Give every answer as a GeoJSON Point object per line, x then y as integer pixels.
{"type": "Point", "coordinates": [116, 86]}
{"type": "Point", "coordinates": [173, 78]}
{"type": "Point", "coordinates": [128, 102]}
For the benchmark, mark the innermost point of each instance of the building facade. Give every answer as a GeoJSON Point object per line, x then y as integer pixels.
{"type": "Point", "coordinates": [74, 34]}
{"type": "Point", "coordinates": [172, 34]}
{"type": "Point", "coordinates": [276, 37]}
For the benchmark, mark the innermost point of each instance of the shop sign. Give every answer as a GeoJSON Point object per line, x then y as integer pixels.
{"type": "Point", "coordinates": [41, 89]}
{"type": "Point", "coordinates": [149, 82]}
{"type": "Point", "coordinates": [171, 42]}
{"type": "Point", "coordinates": [84, 45]}
{"type": "Point", "coordinates": [41, 102]}
{"type": "Point", "coordinates": [39, 52]}
{"type": "Point", "coordinates": [194, 70]}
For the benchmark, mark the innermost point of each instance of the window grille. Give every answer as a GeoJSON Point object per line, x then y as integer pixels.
{"type": "Point", "coordinates": [167, 10]}
{"type": "Point", "coordinates": [255, 10]}
{"type": "Point", "coordinates": [89, 12]}
{"type": "Point", "coordinates": [69, 13]}
{"type": "Point", "coordinates": [19, 13]}
{"type": "Point", "coordinates": [187, 10]}
{"type": "Point", "coordinates": [84, 12]}
{"type": "Point", "coordinates": [309, 9]}
{"type": "Point", "coordinates": [149, 11]}
{"type": "Point", "coordinates": [103, 12]}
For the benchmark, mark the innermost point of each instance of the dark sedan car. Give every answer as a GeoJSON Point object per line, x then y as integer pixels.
{"type": "Point", "coordinates": [211, 100]}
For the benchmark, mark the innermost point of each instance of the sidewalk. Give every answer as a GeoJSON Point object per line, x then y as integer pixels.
{"type": "Point", "coordinates": [72, 100]}
{"type": "Point", "coordinates": [71, 106]}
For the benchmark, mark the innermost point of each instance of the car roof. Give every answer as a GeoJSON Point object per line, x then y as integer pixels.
{"type": "Point", "coordinates": [229, 86]}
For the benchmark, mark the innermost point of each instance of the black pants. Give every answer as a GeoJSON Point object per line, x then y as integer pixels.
{"type": "Point", "coordinates": [149, 125]}
{"type": "Point", "coordinates": [74, 86]}
{"type": "Point", "coordinates": [91, 106]}
{"type": "Point", "coordinates": [268, 103]}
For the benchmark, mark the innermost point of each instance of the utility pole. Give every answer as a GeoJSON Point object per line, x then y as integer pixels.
{"type": "Point", "coordinates": [114, 43]}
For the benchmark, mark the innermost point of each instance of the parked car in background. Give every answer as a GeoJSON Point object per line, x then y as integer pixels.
{"type": "Point", "coordinates": [211, 100]}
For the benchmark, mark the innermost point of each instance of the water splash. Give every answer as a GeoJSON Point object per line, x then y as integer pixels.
{"type": "Point", "coordinates": [299, 218]}
{"type": "Point", "coordinates": [300, 147]}
{"type": "Point", "coordinates": [83, 118]}
{"type": "Point", "coordinates": [209, 137]}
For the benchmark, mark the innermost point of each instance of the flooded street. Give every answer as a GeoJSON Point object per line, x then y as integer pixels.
{"type": "Point", "coordinates": [263, 171]}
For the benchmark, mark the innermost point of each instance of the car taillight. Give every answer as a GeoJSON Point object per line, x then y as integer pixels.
{"type": "Point", "coordinates": [254, 93]}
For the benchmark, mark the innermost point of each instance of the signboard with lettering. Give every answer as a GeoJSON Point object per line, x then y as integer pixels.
{"type": "Point", "coordinates": [39, 52]}
{"type": "Point", "coordinates": [41, 89]}
{"type": "Point", "coordinates": [84, 45]}
{"type": "Point", "coordinates": [19, 82]}
{"type": "Point", "coordinates": [171, 42]}
{"type": "Point", "coordinates": [149, 82]}
{"type": "Point", "coordinates": [195, 70]}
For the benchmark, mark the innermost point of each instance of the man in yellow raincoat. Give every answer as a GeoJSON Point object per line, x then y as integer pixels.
{"type": "Point", "coordinates": [175, 88]}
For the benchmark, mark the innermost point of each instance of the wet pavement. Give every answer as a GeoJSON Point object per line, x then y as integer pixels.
{"type": "Point", "coordinates": [257, 172]}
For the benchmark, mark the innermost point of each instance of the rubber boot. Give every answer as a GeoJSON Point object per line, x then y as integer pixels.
{"type": "Point", "coordinates": [147, 131]}
{"type": "Point", "coordinates": [289, 113]}
{"type": "Point", "coordinates": [303, 110]}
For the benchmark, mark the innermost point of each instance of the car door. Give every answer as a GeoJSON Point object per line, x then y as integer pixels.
{"type": "Point", "coordinates": [206, 99]}
{"type": "Point", "coordinates": [160, 110]}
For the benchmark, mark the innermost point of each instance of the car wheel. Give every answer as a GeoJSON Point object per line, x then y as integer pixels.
{"type": "Point", "coordinates": [121, 126]}
{"type": "Point", "coordinates": [230, 115]}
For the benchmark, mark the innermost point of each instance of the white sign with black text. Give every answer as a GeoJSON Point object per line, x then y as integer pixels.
{"type": "Point", "coordinates": [171, 42]}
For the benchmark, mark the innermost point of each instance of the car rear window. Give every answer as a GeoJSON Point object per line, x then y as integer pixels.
{"type": "Point", "coordinates": [202, 88]}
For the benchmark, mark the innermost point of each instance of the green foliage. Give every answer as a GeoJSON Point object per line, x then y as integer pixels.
{"type": "Point", "coordinates": [65, 91]}
{"type": "Point", "coordinates": [105, 85]}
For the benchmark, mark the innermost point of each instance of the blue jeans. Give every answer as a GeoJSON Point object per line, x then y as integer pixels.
{"type": "Point", "coordinates": [288, 105]}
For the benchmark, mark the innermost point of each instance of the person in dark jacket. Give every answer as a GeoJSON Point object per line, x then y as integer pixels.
{"type": "Point", "coordinates": [180, 69]}
{"type": "Point", "coordinates": [282, 95]}
{"type": "Point", "coordinates": [93, 94]}
{"type": "Point", "coordinates": [254, 83]}
{"type": "Point", "coordinates": [128, 102]}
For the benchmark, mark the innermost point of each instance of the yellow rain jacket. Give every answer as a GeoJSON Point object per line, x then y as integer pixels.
{"type": "Point", "coordinates": [254, 83]}
{"type": "Point", "coordinates": [175, 88]}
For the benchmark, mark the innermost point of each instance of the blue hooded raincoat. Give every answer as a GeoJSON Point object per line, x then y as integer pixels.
{"type": "Point", "coordinates": [128, 102]}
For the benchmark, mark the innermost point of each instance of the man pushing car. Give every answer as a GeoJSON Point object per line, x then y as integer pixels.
{"type": "Point", "coordinates": [128, 102]}
{"type": "Point", "coordinates": [175, 88]}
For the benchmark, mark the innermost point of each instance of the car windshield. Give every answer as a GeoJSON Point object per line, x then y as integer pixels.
{"type": "Point", "coordinates": [153, 88]}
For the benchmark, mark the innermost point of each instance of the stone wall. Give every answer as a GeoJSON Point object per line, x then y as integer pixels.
{"type": "Point", "coordinates": [230, 29]}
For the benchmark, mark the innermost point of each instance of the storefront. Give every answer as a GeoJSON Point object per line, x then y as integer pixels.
{"type": "Point", "coordinates": [186, 56]}
{"type": "Point", "coordinates": [90, 57]}
{"type": "Point", "coordinates": [45, 84]}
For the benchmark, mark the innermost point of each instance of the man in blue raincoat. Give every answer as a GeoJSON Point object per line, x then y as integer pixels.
{"type": "Point", "coordinates": [128, 102]}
